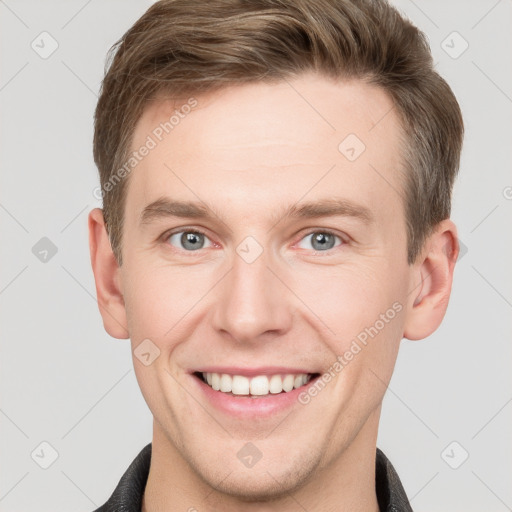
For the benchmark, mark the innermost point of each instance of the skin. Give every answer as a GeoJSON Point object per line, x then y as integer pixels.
{"type": "Point", "coordinates": [249, 152]}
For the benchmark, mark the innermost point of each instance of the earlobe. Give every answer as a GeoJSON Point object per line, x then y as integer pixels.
{"type": "Point", "coordinates": [106, 276]}
{"type": "Point", "coordinates": [433, 281]}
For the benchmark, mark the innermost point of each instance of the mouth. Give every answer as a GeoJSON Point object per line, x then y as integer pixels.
{"type": "Point", "coordinates": [259, 386]}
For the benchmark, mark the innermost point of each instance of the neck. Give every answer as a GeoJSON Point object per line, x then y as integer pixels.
{"type": "Point", "coordinates": [344, 483]}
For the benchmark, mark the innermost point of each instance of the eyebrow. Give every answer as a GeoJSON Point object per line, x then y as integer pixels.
{"type": "Point", "coordinates": [164, 208]}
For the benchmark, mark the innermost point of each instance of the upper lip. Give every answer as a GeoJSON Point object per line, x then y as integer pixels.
{"type": "Point", "coordinates": [251, 372]}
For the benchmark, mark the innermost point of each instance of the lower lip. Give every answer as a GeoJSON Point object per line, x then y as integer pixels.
{"type": "Point", "coordinates": [245, 407]}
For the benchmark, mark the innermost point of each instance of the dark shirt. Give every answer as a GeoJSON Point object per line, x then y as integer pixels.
{"type": "Point", "coordinates": [127, 496]}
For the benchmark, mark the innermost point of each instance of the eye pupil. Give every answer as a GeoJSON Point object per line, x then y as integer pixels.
{"type": "Point", "coordinates": [320, 240]}
{"type": "Point", "coordinates": [189, 240]}
{"type": "Point", "coordinates": [325, 240]}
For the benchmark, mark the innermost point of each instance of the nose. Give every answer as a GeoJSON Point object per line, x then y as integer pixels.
{"type": "Point", "coordinates": [253, 301]}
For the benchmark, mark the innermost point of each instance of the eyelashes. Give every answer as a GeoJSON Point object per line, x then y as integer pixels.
{"type": "Point", "coordinates": [327, 232]}
{"type": "Point", "coordinates": [189, 239]}
{"type": "Point", "coordinates": [186, 238]}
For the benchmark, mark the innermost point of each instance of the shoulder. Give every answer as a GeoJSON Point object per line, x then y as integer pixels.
{"type": "Point", "coordinates": [390, 492]}
{"type": "Point", "coordinates": [127, 496]}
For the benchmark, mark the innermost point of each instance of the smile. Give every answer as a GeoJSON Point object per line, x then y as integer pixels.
{"type": "Point", "coordinates": [260, 385]}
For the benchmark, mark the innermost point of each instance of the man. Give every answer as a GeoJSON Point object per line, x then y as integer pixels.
{"type": "Point", "coordinates": [276, 179]}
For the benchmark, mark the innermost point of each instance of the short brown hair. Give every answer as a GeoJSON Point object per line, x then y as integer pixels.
{"type": "Point", "coordinates": [183, 47]}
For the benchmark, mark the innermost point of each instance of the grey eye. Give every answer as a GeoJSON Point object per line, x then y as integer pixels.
{"type": "Point", "coordinates": [189, 240]}
{"type": "Point", "coordinates": [321, 240]}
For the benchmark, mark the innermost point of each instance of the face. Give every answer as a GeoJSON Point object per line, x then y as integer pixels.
{"type": "Point", "coordinates": [289, 255]}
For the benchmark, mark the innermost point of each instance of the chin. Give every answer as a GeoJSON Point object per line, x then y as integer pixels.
{"type": "Point", "coordinates": [261, 487]}
{"type": "Point", "coordinates": [263, 482]}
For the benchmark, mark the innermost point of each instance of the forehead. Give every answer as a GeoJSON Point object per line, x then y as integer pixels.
{"type": "Point", "coordinates": [264, 144]}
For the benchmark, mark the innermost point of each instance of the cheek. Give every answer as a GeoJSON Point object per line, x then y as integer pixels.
{"type": "Point", "coordinates": [346, 297]}
{"type": "Point", "coordinates": [145, 307]}
{"type": "Point", "coordinates": [363, 308]}
{"type": "Point", "coordinates": [160, 297]}
{"type": "Point", "coordinates": [361, 313]}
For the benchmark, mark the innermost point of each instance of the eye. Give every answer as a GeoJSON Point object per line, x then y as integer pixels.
{"type": "Point", "coordinates": [320, 240]}
{"type": "Point", "coordinates": [188, 240]}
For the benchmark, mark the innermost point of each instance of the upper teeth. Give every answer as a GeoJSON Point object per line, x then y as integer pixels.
{"type": "Point", "coordinates": [260, 385]}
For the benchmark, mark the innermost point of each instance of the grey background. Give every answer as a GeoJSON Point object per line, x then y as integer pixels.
{"type": "Point", "coordinates": [65, 382]}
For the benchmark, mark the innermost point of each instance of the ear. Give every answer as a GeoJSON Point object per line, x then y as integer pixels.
{"type": "Point", "coordinates": [432, 281]}
{"type": "Point", "coordinates": [107, 277]}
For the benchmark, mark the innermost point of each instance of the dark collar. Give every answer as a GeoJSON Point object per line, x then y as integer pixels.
{"type": "Point", "coordinates": [127, 496]}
